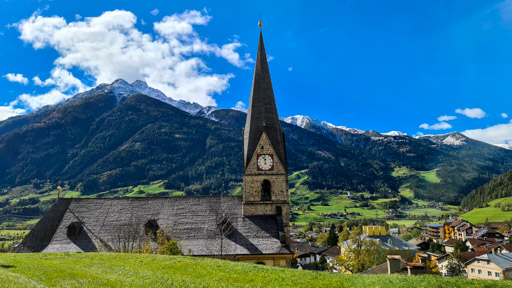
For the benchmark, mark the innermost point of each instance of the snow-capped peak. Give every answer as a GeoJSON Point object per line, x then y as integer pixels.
{"type": "Point", "coordinates": [452, 139]}
{"type": "Point", "coordinates": [121, 89]}
{"type": "Point", "coordinates": [304, 121]}
{"type": "Point", "coordinates": [395, 133]}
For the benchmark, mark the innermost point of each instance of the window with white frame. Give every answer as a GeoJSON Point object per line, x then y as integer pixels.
{"type": "Point", "coordinates": [497, 274]}
{"type": "Point", "coordinates": [489, 273]}
{"type": "Point", "coordinates": [472, 270]}
{"type": "Point", "coordinates": [479, 272]}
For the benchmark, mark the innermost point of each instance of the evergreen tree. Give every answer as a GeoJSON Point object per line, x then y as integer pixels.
{"type": "Point", "coordinates": [332, 238]}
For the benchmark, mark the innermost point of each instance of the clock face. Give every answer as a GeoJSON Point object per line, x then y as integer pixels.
{"type": "Point", "coordinates": [265, 162]}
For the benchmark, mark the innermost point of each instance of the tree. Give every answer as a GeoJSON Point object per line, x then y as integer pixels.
{"type": "Point", "coordinates": [321, 239]}
{"type": "Point", "coordinates": [332, 238]}
{"type": "Point", "coordinates": [225, 229]}
{"type": "Point", "coordinates": [322, 263]}
{"type": "Point", "coordinates": [360, 254]}
{"type": "Point", "coordinates": [415, 233]}
{"type": "Point", "coordinates": [455, 266]}
{"type": "Point", "coordinates": [345, 234]}
{"type": "Point", "coordinates": [460, 246]}
{"type": "Point", "coordinates": [407, 236]}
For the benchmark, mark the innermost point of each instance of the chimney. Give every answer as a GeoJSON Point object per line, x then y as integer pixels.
{"type": "Point", "coordinates": [394, 263]}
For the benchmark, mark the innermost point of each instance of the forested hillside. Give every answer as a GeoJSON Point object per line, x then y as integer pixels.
{"type": "Point", "coordinates": [109, 138]}
{"type": "Point", "coordinates": [498, 187]}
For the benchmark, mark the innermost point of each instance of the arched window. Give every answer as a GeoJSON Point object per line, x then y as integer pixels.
{"type": "Point", "coordinates": [151, 229]}
{"type": "Point", "coordinates": [266, 190]}
{"type": "Point", "coordinates": [74, 229]}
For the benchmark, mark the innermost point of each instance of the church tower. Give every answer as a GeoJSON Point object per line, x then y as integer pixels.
{"type": "Point", "coordinates": [265, 187]}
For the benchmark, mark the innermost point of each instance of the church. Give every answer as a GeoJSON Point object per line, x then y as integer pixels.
{"type": "Point", "coordinates": [250, 228]}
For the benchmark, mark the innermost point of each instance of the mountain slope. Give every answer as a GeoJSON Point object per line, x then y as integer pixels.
{"type": "Point", "coordinates": [498, 187]}
{"type": "Point", "coordinates": [461, 163]}
{"type": "Point", "coordinates": [113, 136]}
{"type": "Point", "coordinates": [110, 137]}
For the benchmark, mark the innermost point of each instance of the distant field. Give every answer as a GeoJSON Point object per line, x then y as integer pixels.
{"type": "Point", "coordinates": [406, 223]}
{"type": "Point", "coordinates": [479, 215]}
{"type": "Point", "coordinates": [319, 204]}
{"type": "Point", "coordinates": [430, 176]}
{"type": "Point", "coordinates": [139, 270]}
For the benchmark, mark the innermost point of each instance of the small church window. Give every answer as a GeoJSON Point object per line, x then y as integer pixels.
{"type": "Point", "coordinates": [74, 229]}
{"type": "Point", "coordinates": [266, 190]}
{"type": "Point", "coordinates": [279, 211]}
{"type": "Point", "coordinates": [151, 229]}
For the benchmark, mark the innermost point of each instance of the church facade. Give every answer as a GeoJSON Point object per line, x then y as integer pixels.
{"type": "Point", "coordinates": [250, 228]}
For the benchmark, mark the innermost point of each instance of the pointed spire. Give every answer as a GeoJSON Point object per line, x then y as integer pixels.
{"type": "Point", "coordinates": [262, 112]}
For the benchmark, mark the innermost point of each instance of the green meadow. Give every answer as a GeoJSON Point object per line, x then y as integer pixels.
{"type": "Point", "coordinates": [491, 213]}
{"type": "Point", "coordinates": [142, 270]}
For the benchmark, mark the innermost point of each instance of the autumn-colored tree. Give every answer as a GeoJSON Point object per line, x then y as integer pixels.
{"type": "Point", "coordinates": [321, 239]}
{"type": "Point", "coordinates": [345, 234]}
{"type": "Point", "coordinates": [360, 254]}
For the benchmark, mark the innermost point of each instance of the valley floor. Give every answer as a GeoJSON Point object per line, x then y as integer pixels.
{"type": "Point", "coordinates": [138, 270]}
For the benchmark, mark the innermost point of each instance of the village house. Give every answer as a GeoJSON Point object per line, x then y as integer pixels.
{"type": "Point", "coordinates": [382, 237]}
{"type": "Point", "coordinates": [502, 248]}
{"type": "Point", "coordinates": [442, 261]}
{"type": "Point", "coordinates": [396, 265]}
{"type": "Point", "coordinates": [490, 266]}
{"type": "Point", "coordinates": [490, 235]}
{"type": "Point", "coordinates": [436, 232]}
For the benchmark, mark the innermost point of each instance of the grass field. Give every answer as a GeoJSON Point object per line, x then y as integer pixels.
{"type": "Point", "coordinates": [405, 223]}
{"type": "Point", "coordinates": [320, 204]}
{"type": "Point", "coordinates": [492, 213]}
{"type": "Point", "coordinates": [138, 270]}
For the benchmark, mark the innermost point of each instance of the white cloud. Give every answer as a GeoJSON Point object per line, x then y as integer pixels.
{"type": "Point", "coordinates": [290, 68]}
{"type": "Point", "coordinates": [446, 118]}
{"type": "Point", "coordinates": [142, 22]}
{"type": "Point", "coordinates": [9, 111]}
{"type": "Point", "coordinates": [154, 12]}
{"type": "Point", "coordinates": [472, 112]}
{"type": "Point", "coordinates": [498, 134]}
{"type": "Point", "coordinates": [504, 115]}
{"type": "Point", "coordinates": [37, 101]}
{"type": "Point", "coordinates": [270, 58]}
{"type": "Point", "coordinates": [37, 81]}
{"type": "Point", "coordinates": [240, 106]}
{"type": "Point", "coordinates": [19, 78]}
{"type": "Point", "coordinates": [78, 17]}
{"type": "Point", "coordinates": [437, 126]}
{"type": "Point", "coordinates": [109, 47]}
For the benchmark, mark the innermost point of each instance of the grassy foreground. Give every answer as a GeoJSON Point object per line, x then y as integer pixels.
{"type": "Point", "coordinates": [138, 270]}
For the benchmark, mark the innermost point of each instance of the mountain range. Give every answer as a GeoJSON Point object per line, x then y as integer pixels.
{"type": "Point", "coordinates": [122, 134]}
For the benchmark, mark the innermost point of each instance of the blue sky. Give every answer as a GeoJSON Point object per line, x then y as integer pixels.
{"type": "Point", "coordinates": [371, 65]}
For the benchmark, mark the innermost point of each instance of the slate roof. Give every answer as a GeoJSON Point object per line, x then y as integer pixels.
{"type": "Point", "coordinates": [503, 260]}
{"type": "Point", "coordinates": [319, 250]}
{"type": "Point", "coordinates": [262, 112]}
{"type": "Point", "coordinates": [301, 247]}
{"type": "Point", "coordinates": [507, 246]}
{"type": "Point", "coordinates": [192, 220]}
{"type": "Point", "coordinates": [450, 242]}
{"type": "Point", "coordinates": [383, 269]}
{"type": "Point", "coordinates": [333, 251]}
{"type": "Point", "coordinates": [387, 242]}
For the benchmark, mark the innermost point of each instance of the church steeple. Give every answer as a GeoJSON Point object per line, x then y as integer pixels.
{"type": "Point", "coordinates": [265, 187]}
{"type": "Point", "coordinates": [262, 113]}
